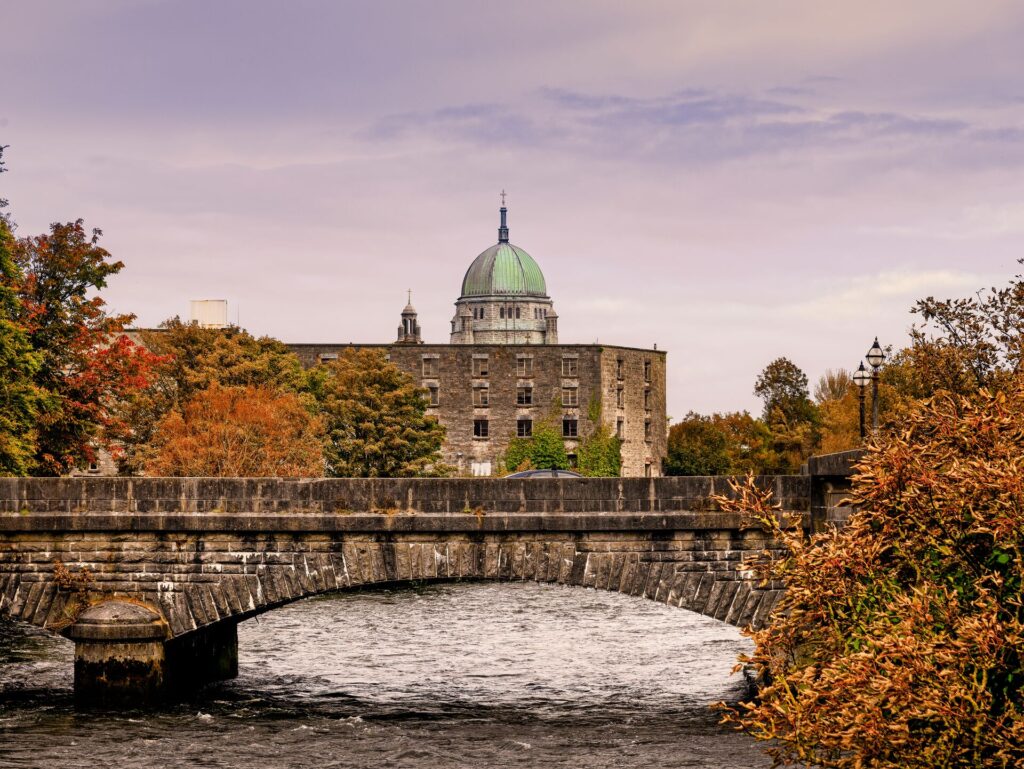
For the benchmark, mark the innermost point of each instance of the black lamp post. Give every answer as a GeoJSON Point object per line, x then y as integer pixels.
{"type": "Point", "coordinates": [875, 357]}
{"type": "Point", "coordinates": [861, 377]}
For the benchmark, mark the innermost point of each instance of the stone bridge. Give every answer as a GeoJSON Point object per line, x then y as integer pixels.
{"type": "Point", "coordinates": [150, 576]}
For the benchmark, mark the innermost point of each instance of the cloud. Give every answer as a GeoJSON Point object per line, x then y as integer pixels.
{"type": "Point", "coordinates": [863, 296]}
{"type": "Point", "coordinates": [700, 126]}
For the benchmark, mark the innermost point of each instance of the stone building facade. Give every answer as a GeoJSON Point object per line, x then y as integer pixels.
{"type": "Point", "coordinates": [486, 394]}
{"type": "Point", "coordinates": [504, 371]}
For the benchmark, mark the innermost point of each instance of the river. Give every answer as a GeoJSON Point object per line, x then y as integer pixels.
{"type": "Point", "coordinates": [433, 677]}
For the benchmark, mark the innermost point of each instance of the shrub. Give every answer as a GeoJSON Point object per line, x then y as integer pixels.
{"type": "Point", "coordinates": [899, 640]}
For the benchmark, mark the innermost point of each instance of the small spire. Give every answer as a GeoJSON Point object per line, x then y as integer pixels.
{"type": "Point", "coordinates": [503, 229]}
{"type": "Point", "coordinates": [410, 295]}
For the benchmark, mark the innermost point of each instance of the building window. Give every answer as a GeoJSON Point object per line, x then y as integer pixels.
{"type": "Point", "coordinates": [517, 312]}
{"type": "Point", "coordinates": [327, 357]}
{"type": "Point", "coordinates": [647, 429]}
{"type": "Point", "coordinates": [524, 428]}
{"type": "Point", "coordinates": [480, 428]}
{"type": "Point", "coordinates": [619, 370]}
{"type": "Point", "coordinates": [620, 397]}
{"type": "Point", "coordinates": [501, 313]}
{"type": "Point", "coordinates": [570, 396]}
{"type": "Point", "coordinates": [647, 399]}
{"type": "Point", "coordinates": [570, 427]}
{"type": "Point", "coordinates": [479, 367]}
{"type": "Point", "coordinates": [481, 396]}
{"type": "Point", "coordinates": [620, 427]}
{"type": "Point", "coordinates": [524, 396]}
{"type": "Point", "coordinates": [433, 395]}
{"type": "Point", "coordinates": [570, 367]}
{"type": "Point", "coordinates": [524, 367]}
{"type": "Point", "coordinates": [430, 366]}
{"type": "Point", "coordinates": [647, 371]}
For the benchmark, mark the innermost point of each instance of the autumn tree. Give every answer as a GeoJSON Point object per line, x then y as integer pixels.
{"type": "Point", "coordinates": [21, 400]}
{"type": "Point", "coordinates": [837, 399]}
{"type": "Point", "coordinates": [86, 365]}
{"type": "Point", "coordinates": [238, 432]}
{"type": "Point", "coordinates": [191, 358]}
{"type": "Point", "coordinates": [899, 642]}
{"type": "Point", "coordinates": [375, 418]}
{"type": "Point", "coordinates": [833, 385]}
{"type": "Point", "coordinates": [3, 169]}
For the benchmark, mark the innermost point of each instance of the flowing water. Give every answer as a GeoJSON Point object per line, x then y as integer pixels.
{"type": "Point", "coordinates": [436, 677]}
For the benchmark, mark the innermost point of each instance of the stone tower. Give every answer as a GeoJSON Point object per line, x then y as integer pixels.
{"type": "Point", "coordinates": [409, 330]}
{"type": "Point", "coordinates": [504, 298]}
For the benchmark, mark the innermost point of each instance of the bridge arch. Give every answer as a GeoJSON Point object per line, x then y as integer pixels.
{"type": "Point", "coordinates": [196, 581]}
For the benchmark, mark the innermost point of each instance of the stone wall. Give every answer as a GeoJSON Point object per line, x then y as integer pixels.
{"type": "Point", "coordinates": [294, 498]}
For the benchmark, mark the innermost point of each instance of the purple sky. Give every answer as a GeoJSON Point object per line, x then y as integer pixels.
{"type": "Point", "coordinates": [733, 181]}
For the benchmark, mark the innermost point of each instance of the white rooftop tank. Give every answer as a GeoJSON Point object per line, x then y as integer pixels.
{"type": "Point", "coordinates": [210, 313]}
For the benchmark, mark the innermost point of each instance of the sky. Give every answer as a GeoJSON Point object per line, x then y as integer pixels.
{"type": "Point", "coordinates": [731, 180]}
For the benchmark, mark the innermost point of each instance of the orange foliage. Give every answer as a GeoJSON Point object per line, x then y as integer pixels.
{"type": "Point", "coordinates": [238, 432]}
{"type": "Point", "coordinates": [900, 639]}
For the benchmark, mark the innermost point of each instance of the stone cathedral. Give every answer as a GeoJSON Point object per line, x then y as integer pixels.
{"type": "Point", "coordinates": [504, 369]}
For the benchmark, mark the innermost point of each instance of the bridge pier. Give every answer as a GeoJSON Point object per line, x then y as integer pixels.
{"type": "Point", "coordinates": [123, 657]}
{"type": "Point", "coordinates": [119, 654]}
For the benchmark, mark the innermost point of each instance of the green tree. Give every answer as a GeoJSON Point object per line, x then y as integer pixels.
{"type": "Point", "coordinates": [190, 359]}
{"type": "Point", "coordinates": [544, 450]}
{"type": "Point", "coordinates": [375, 417]}
{"type": "Point", "coordinates": [86, 365]}
{"type": "Point", "coordinates": [20, 399]}
{"type": "Point", "coordinates": [599, 453]}
{"type": "Point", "coordinates": [698, 445]}
{"type": "Point", "coordinates": [899, 642]}
{"type": "Point", "coordinates": [789, 413]}
{"type": "Point", "coordinates": [782, 385]}
{"type": "Point", "coordinates": [720, 444]}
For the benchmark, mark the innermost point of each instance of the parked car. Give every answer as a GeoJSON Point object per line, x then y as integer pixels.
{"type": "Point", "coordinates": [544, 474]}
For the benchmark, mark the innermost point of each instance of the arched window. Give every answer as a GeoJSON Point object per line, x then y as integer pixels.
{"type": "Point", "coordinates": [517, 312]}
{"type": "Point", "coordinates": [501, 312]}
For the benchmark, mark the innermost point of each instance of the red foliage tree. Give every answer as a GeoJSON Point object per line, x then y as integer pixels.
{"type": "Point", "coordinates": [86, 365]}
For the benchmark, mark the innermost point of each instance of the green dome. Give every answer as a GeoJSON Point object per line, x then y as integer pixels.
{"type": "Point", "coordinates": [504, 269]}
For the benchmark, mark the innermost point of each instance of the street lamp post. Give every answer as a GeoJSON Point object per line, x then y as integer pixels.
{"type": "Point", "coordinates": [861, 377]}
{"type": "Point", "coordinates": [875, 357]}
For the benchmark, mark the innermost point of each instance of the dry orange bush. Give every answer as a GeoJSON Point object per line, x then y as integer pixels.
{"type": "Point", "coordinates": [238, 431]}
{"type": "Point", "coordinates": [900, 639]}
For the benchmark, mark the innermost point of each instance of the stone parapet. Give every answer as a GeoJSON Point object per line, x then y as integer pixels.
{"type": "Point", "coordinates": [385, 496]}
